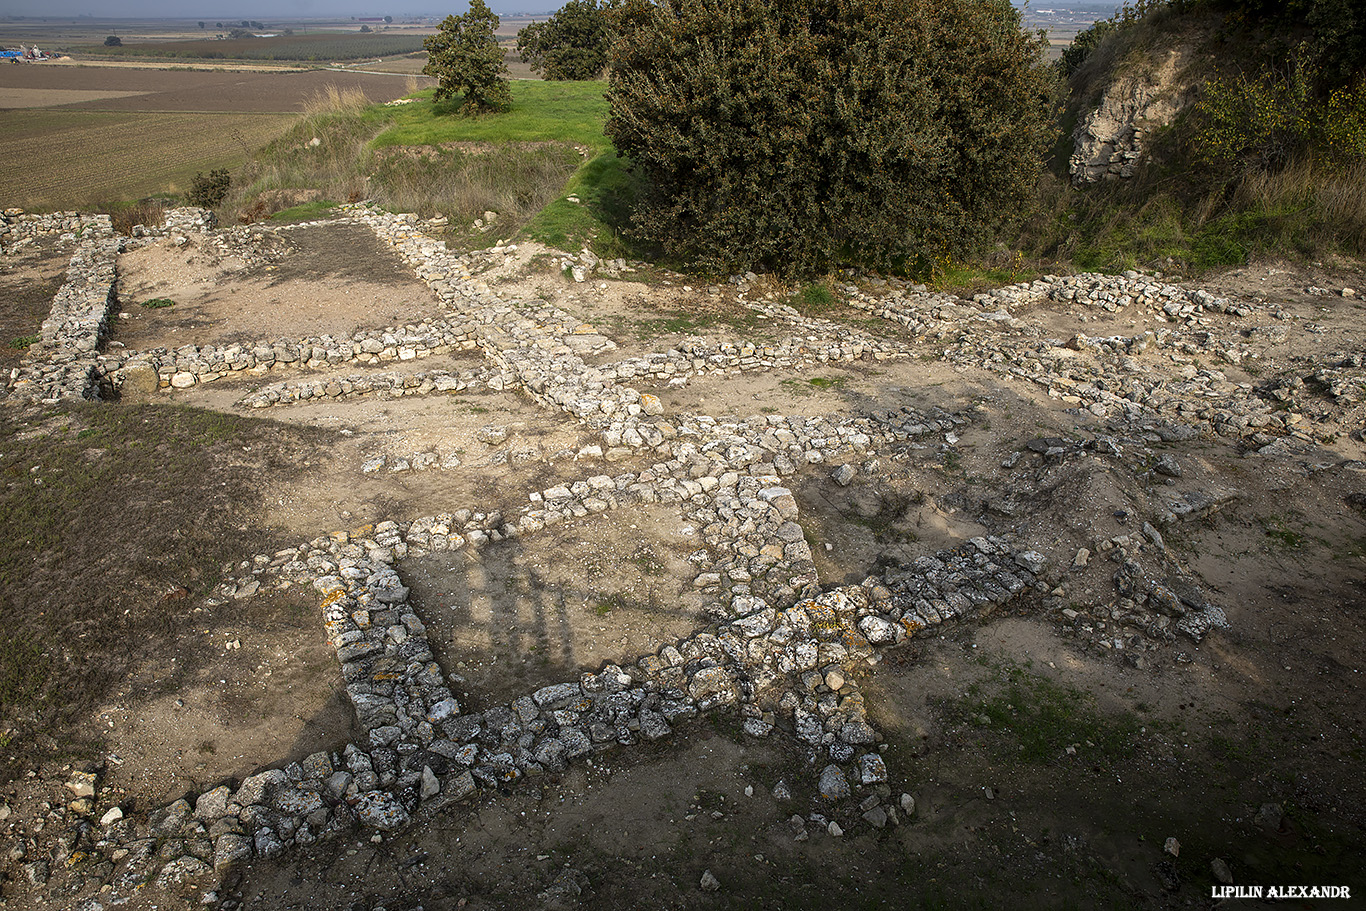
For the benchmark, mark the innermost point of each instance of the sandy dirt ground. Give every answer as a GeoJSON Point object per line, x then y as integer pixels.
{"type": "Point", "coordinates": [1044, 769]}
{"type": "Point", "coordinates": [29, 280]}
{"type": "Point", "coordinates": [326, 281]}
{"type": "Point", "coordinates": [604, 588]}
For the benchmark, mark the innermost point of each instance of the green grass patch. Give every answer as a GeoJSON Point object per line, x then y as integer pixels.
{"type": "Point", "coordinates": [1044, 717]}
{"type": "Point", "coordinates": [814, 384]}
{"type": "Point", "coordinates": [157, 303]}
{"type": "Point", "coordinates": [813, 300]}
{"type": "Point", "coordinates": [308, 211]}
{"type": "Point", "coordinates": [24, 341]}
{"type": "Point", "coordinates": [590, 209]}
{"type": "Point", "coordinates": [571, 112]}
{"type": "Point", "coordinates": [647, 561]}
{"type": "Point", "coordinates": [593, 211]}
{"type": "Point", "coordinates": [1279, 531]}
{"type": "Point", "coordinates": [609, 603]}
{"type": "Point", "coordinates": [967, 275]}
{"type": "Point", "coordinates": [427, 159]}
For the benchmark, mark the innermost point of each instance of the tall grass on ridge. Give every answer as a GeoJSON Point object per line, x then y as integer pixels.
{"type": "Point", "coordinates": [333, 101]}
{"type": "Point", "coordinates": [328, 154]}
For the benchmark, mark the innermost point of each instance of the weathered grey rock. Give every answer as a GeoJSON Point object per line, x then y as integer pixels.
{"type": "Point", "coordinates": [431, 786]}
{"type": "Point", "coordinates": [213, 803]}
{"type": "Point", "coordinates": [712, 685]}
{"type": "Point", "coordinates": [879, 630]}
{"type": "Point", "coordinates": [872, 769]}
{"type": "Point", "coordinates": [259, 788]}
{"type": "Point", "coordinates": [1269, 816]}
{"type": "Point", "coordinates": [461, 786]}
{"type": "Point", "coordinates": [876, 817]}
{"type": "Point", "coordinates": [181, 870]}
{"type": "Point", "coordinates": [381, 810]}
{"type": "Point", "coordinates": [833, 784]}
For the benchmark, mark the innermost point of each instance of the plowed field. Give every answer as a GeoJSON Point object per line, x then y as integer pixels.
{"type": "Point", "coordinates": [61, 159]}
{"type": "Point", "coordinates": [93, 135]}
{"type": "Point", "coordinates": [192, 90]}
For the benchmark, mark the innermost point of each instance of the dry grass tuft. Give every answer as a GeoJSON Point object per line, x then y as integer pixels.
{"type": "Point", "coordinates": [335, 101]}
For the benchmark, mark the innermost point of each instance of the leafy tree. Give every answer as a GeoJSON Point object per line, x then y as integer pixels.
{"type": "Point", "coordinates": [365, 28]}
{"type": "Point", "coordinates": [805, 135]}
{"type": "Point", "coordinates": [466, 60]}
{"type": "Point", "coordinates": [201, 23]}
{"type": "Point", "coordinates": [388, 19]}
{"type": "Point", "coordinates": [572, 44]}
{"type": "Point", "coordinates": [113, 41]}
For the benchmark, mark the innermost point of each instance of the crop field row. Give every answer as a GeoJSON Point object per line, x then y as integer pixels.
{"type": "Point", "coordinates": [331, 46]}
{"type": "Point", "coordinates": [130, 89]}
{"type": "Point", "coordinates": [65, 159]}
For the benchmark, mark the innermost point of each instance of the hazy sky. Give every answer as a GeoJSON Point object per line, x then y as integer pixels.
{"type": "Point", "coordinates": [262, 10]}
{"type": "Point", "coordinates": [265, 10]}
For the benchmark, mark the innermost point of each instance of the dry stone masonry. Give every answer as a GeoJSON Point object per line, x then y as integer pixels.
{"type": "Point", "coordinates": [62, 365]}
{"type": "Point", "coordinates": [191, 365]}
{"type": "Point", "coordinates": [779, 649]}
{"type": "Point", "coordinates": [18, 228]}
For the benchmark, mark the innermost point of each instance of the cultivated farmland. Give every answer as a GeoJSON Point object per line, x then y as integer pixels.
{"type": "Point", "coordinates": [192, 90]}
{"type": "Point", "coordinates": [325, 46]}
{"type": "Point", "coordinates": [150, 132]}
{"type": "Point", "coordinates": [107, 155]}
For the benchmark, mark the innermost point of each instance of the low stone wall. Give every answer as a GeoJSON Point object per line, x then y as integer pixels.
{"type": "Point", "coordinates": [18, 228]}
{"type": "Point", "coordinates": [188, 219]}
{"type": "Point", "coordinates": [63, 364]}
{"type": "Point", "coordinates": [793, 667]}
{"type": "Point", "coordinates": [191, 365]}
{"type": "Point", "coordinates": [66, 364]}
{"type": "Point", "coordinates": [1113, 293]}
{"type": "Point", "coordinates": [392, 385]}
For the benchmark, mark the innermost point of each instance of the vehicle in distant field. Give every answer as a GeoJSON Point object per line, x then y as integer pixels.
{"type": "Point", "coordinates": [25, 53]}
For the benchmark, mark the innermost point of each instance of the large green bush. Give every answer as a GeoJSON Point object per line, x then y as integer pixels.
{"type": "Point", "coordinates": [1262, 124]}
{"type": "Point", "coordinates": [803, 136]}
{"type": "Point", "coordinates": [466, 60]}
{"type": "Point", "coordinates": [572, 44]}
{"type": "Point", "coordinates": [209, 192]}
